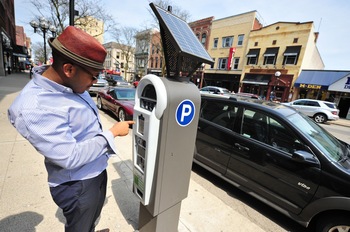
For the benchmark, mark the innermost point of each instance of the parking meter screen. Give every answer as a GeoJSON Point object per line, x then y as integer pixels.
{"type": "Point", "coordinates": [141, 124]}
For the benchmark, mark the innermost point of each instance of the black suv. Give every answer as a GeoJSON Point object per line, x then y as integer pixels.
{"type": "Point", "coordinates": [279, 156]}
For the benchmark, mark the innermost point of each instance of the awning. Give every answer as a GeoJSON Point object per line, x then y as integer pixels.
{"type": "Point", "coordinates": [257, 79]}
{"type": "Point", "coordinates": [318, 79]}
{"type": "Point", "coordinates": [292, 51]}
{"type": "Point", "coordinates": [271, 52]}
{"type": "Point", "coordinates": [20, 51]}
{"type": "Point", "coordinates": [253, 52]}
{"type": "Point", "coordinates": [20, 55]}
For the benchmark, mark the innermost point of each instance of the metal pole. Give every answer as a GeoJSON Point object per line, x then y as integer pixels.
{"type": "Point", "coordinates": [44, 32]}
{"type": "Point", "coordinates": [71, 12]}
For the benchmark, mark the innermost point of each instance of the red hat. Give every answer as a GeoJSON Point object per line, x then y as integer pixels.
{"type": "Point", "coordinates": [80, 47]}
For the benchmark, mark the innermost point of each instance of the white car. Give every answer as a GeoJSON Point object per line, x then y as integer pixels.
{"type": "Point", "coordinates": [320, 111]}
{"type": "Point", "coordinates": [215, 90]}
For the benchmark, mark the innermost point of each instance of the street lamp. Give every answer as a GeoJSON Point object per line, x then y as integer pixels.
{"type": "Point", "coordinates": [273, 93]}
{"type": "Point", "coordinates": [277, 75]}
{"type": "Point", "coordinates": [44, 26]}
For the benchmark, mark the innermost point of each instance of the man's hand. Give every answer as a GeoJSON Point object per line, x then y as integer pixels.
{"type": "Point", "coordinates": [121, 128]}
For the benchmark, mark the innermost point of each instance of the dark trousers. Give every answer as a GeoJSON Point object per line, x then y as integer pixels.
{"type": "Point", "coordinates": [81, 202]}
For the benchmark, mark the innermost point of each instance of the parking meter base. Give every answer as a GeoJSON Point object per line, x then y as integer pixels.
{"type": "Point", "coordinates": [167, 220]}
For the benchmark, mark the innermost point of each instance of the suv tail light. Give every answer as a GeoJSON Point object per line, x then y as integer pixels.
{"type": "Point", "coordinates": [335, 112]}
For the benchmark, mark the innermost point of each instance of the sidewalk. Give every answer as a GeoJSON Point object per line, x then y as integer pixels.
{"type": "Point", "coordinates": [26, 203]}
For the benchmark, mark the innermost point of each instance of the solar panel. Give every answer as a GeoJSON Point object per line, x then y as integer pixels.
{"type": "Point", "coordinates": [182, 48]}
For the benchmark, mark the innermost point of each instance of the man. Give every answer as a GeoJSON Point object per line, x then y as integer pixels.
{"type": "Point", "coordinates": [58, 117]}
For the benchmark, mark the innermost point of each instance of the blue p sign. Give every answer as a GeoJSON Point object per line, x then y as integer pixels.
{"type": "Point", "coordinates": [185, 112]}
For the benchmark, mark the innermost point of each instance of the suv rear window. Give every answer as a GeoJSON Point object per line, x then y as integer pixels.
{"type": "Point", "coordinates": [331, 105]}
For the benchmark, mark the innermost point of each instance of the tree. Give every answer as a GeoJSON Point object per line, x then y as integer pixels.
{"type": "Point", "coordinates": [39, 53]}
{"type": "Point", "coordinates": [57, 12]}
{"type": "Point", "coordinates": [125, 38]}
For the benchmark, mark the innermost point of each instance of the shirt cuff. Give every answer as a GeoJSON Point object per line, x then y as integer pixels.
{"type": "Point", "coordinates": [110, 140]}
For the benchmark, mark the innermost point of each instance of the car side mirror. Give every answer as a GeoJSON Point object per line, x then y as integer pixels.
{"type": "Point", "coordinates": [305, 157]}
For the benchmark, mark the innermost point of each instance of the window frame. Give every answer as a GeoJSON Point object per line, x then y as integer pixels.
{"type": "Point", "coordinates": [240, 40]}
{"type": "Point", "coordinates": [216, 42]}
{"type": "Point", "coordinates": [227, 41]}
{"type": "Point", "coordinates": [221, 62]}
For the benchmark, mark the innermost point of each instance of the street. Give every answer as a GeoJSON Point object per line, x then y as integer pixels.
{"type": "Point", "coordinates": [27, 206]}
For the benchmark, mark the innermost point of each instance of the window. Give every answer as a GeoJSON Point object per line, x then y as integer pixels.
{"type": "Point", "coordinates": [156, 66]}
{"type": "Point", "coordinates": [240, 40]}
{"type": "Point", "coordinates": [235, 63]}
{"type": "Point", "coordinates": [216, 40]}
{"type": "Point", "coordinates": [252, 60]}
{"type": "Point", "coordinates": [197, 35]}
{"type": "Point", "coordinates": [220, 113]}
{"type": "Point", "coordinates": [256, 44]}
{"type": "Point", "coordinates": [204, 38]}
{"type": "Point", "coordinates": [270, 56]}
{"type": "Point", "coordinates": [227, 41]}
{"type": "Point", "coordinates": [291, 55]}
{"type": "Point", "coordinates": [269, 60]}
{"type": "Point", "coordinates": [274, 42]}
{"type": "Point", "coordinates": [259, 126]}
{"type": "Point", "coordinates": [222, 63]}
{"type": "Point", "coordinates": [252, 56]}
{"type": "Point", "coordinates": [295, 40]}
{"type": "Point", "coordinates": [290, 59]}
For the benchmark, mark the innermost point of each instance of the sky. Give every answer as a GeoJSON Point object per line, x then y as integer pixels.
{"type": "Point", "coordinates": [330, 19]}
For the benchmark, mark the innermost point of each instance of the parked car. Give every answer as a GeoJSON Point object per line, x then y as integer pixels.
{"type": "Point", "coordinates": [320, 111]}
{"type": "Point", "coordinates": [119, 100]}
{"type": "Point", "coordinates": [135, 84]}
{"type": "Point", "coordinates": [279, 156]}
{"type": "Point", "coordinates": [116, 80]}
{"type": "Point", "coordinates": [100, 84]}
{"type": "Point", "coordinates": [249, 95]}
{"type": "Point", "coordinates": [215, 90]}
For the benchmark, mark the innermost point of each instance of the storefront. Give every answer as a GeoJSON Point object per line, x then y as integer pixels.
{"type": "Point", "coordinates": [268, 85]}
{"type": "Point", "coordinates": [326, 85]}
{"type": "Point", "coordinates": [228, 81]}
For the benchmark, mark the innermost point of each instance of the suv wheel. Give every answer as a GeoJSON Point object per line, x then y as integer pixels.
{"type": "Point", "coordinates": [320, 118]}
{"type": "Point", "coordinates": [333, 223]}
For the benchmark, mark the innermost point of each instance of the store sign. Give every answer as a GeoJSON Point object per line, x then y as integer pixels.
{"type": "Point", "coordinates": [347, 84]}
{"type": "Point", "coordinates": [309, 86]}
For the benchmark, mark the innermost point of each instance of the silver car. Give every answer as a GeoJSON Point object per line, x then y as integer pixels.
{"type": "Point", "coordinates": [100, 84]}
{"type": "Point", "coordinates": [320, 111]}
{"type": "Point", "coordinates": [215, 90]}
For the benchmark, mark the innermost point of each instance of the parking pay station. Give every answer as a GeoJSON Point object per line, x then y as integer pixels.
{"type": "Point", "coordinates": [166, 118]}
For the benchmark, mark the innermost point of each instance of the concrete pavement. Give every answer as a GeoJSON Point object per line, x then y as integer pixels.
{"type": "Point", "coordinates": [26, 204]}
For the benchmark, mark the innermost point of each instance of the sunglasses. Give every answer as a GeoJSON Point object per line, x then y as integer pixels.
{"type": "Point", "coordinates": [94, 76]}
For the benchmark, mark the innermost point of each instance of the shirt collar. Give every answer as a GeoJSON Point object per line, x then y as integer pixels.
{"type": "Point", "coordinates": [47, 83]}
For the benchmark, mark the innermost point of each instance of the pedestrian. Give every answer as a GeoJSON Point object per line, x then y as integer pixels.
{"type": "Point", "coordinates": [30, 71]}
{"type": "Point", "coordinates": [55, 113]}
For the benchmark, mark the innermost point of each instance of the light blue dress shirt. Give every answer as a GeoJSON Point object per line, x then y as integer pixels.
{"type": "Point", "coordinates": [64, 127]}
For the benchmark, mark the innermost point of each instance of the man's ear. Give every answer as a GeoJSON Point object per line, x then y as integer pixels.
{"type": "Point", "coordinates": [69, 70]}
